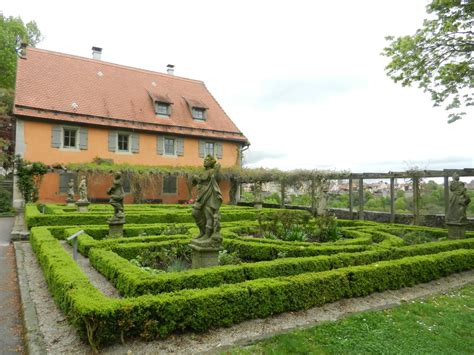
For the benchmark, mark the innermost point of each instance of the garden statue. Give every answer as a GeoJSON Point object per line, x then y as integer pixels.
{"type": "Point", "coordinates": [83, 202]}
{"type": "Point", "coordinates": [207, 216]}
{"type": "Point", "coordinates": [70, 192]}
{"type": "Point", "coordinates": [456, 219]}
{"type": "Point", "coordinates": [116, 194]}
{"type": "Point", "coordinates": [322, 196]}
{"type": "Point", "coordinates": [83, 189]}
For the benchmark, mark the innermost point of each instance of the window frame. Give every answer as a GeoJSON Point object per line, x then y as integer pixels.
{"type": "Point", "coordinates": [63, 137]}
{"type": "Point", "coordinates": [213, 148]}
{"type": "Point", "coordinates": [129, 143]}
{"type": "Point", "coordinates": [174, 146]}
{"type": "Point", "coordinates": [199, 109]}
{"type": "Point", "coordinates": [167, 105]}
{"type": "Point", "coordinates": [163, 192]}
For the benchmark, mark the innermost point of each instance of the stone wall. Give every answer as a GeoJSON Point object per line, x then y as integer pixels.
{"type": "Point", "coordinates": [432, 220]}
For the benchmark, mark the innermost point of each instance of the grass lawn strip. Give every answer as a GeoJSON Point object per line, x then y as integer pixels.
{"type": "Point", "coordinates": [441, 324]}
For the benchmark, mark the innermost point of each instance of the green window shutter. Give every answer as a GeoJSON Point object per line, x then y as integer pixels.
{"type": "Point", "coordinates": [112, 141]}
{"type": "Point", "coordinates": [83, 138]}
{"type": "Point", "coordinates": [202, 149]}
{"type": "Point", "coordinates": [218, 147]}
{"type": "Point", "coordinates": [56, 135]}
{"type": "Point", "coordinates": [180, 147]}
{"type": "Point", "coordinates": [160, 145]}
{"type": "Point", "coordinates": [135, 138]}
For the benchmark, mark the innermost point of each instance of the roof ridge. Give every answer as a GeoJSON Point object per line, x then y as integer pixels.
{"type": "Point", "coordinates": [121, 66]}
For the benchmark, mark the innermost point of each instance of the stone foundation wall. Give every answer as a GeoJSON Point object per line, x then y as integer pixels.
{"type": "Point", "coordinates": [432, 220]}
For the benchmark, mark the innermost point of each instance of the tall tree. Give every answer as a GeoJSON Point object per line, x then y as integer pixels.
{"type": "Point", "coordinates": [439, 56]}
{"type": "Point", "coordinates": [11, 29]}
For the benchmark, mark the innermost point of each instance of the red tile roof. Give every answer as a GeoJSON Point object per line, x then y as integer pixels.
{"type": "Point", "coordinates": [63, 87]}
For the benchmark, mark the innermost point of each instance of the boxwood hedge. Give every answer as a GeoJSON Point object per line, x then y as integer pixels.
{"type": "Point", "coordinates": [104, 320]}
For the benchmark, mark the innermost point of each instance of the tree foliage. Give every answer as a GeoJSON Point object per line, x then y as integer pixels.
{"type": "Point", "coordinates": [12, 29]}
{"type": "Point", "coordinates": [438, 56]}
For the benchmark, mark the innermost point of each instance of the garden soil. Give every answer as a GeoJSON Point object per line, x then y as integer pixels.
{"type": "Point", "coordinates": [61, 338]}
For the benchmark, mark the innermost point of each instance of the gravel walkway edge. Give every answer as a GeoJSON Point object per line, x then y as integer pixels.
{"type": "Point", "coordinates": [33, 336]}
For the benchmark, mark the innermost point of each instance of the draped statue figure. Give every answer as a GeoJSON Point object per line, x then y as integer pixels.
{"type": "Point", "coordinates": [116, 194]}
{"type": "Point", "coordinates": [206, 207]}
{"type": "Point", "coordinates": [458, 202]}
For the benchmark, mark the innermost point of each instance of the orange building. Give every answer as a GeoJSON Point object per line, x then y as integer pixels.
{"type": "Point", "coordinates": [70, 109]}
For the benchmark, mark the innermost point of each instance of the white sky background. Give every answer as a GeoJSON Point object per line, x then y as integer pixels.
{"type": "Point", "coordinates": [304, 80]}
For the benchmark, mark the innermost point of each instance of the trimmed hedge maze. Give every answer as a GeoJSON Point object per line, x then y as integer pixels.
{"type": "Point", "coordinates": [276, 276]}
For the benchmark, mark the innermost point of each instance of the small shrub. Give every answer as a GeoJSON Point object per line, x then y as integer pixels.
{"type": "Point", "coordinates": [5, 201]}
{"type": "Point", "coordinates": [326, 229]}
{"type": "Point", "coordinates": [226, 258]}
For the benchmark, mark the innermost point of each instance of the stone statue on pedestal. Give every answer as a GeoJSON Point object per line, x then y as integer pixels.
{"type": "Point", "coordinates": [117, 194]}
{"type": "Point", "coordinates": [206, 208]}
{"type": "Point", "coordinates": [70, 192]}
{"type": "Point", "coordinates": [83, 203]}
{"type": "Point", "coordinates": [83, 190]}
{"type": "Point", "coordinates": [456, 219]}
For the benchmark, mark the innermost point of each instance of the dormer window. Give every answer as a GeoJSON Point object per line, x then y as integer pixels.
{"type": "Point", "coordinates": [198, 109]}
{"type": "Point", "coordinates": [162, 108]}
{"type": "Point", "coordinates": [199, 113]}
{"type": "Point", "coordinates": [162, 104]}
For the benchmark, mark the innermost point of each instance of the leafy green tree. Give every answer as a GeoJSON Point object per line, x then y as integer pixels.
{"type": "Point", "coordinates": [12, 28]}
{"type": "Point", "coordinates": [401, 204]}
{"type": "Point", "coordinates": [438, 56]}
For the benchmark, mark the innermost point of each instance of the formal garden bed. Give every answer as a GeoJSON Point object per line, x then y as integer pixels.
{"type": "Point", "coordinates": [265, 275]}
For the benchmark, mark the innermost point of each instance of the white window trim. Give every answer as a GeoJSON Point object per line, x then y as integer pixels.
{"type": "Point", "coordinates": [169, 193]}
{"type": "Point", "coordinates": [76, 148]}
{"type": "Point", "coordinates": [175, 154]}
{"type": "Point", "coordinates": [129, 151]}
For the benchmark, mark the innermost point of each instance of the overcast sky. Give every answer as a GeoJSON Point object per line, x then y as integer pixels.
{"type": "Point", "coordinates": [303, 80]}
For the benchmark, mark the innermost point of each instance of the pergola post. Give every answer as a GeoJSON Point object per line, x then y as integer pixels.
{"type": "Point", "coordinates": [282, 194]}
{"type": "Point", "coordinates": [313, 196]}
{"type": "Point", "coordinates": [446, 196]}
{"type": "Point", "coordinates": [416, 200]}
{"type": "Point", "coordinates": [351, 202]}
{"type": "Point", "coordinates": [392, 200]}
{"type": "Point", "coordinates": [361, 198]}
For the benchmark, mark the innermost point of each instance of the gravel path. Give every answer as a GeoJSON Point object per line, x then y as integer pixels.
{"type": "Point", "coordinates": [96, 278]}
{"type": "Point", "coordinates": [11, 324]}
{"type": "Point", "coordinates": [61, 338]}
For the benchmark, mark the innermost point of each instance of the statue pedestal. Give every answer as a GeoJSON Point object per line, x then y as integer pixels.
{"type": "Point", "coordinates": [70, 202]}
{"type": "Point", "coordinates": [116, 228]}
{"type": "Point", "coordinates": [456, 230]}
{"type": "Point", "coordinates": [258, 205]}
{"type": "Point", "coordinates": [82, 206]}
{"type": "Point", "coordinates": [204, 256]}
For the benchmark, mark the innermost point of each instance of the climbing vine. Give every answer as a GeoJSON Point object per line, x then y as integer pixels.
{"type": "Point", "coordinates": [29, 178]}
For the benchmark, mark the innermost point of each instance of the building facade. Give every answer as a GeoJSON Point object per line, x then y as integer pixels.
{"type": "Point", "coordinates": [70, 109]}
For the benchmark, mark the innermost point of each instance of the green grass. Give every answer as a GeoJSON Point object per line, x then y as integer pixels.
{"type": "Point", "coordinates": [442, 324]}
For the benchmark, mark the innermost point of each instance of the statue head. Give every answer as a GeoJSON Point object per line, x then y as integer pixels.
{"type": "Point", "coordinates": [455, 177]}
{"type": "Point", "coordinates": [209, 162]}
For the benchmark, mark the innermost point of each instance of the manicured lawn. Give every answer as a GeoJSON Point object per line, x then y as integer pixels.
{"type": "Point", "coordinates": [442, 324]}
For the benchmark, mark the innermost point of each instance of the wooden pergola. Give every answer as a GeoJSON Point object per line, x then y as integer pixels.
{"type": "Point", "coordinates": [414, 175]}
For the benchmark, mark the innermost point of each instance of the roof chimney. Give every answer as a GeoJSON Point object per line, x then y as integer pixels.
{"type": "Point", "coordinates": [170, 69]}
{"type": "Point", "coordinates": [96, 53]}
